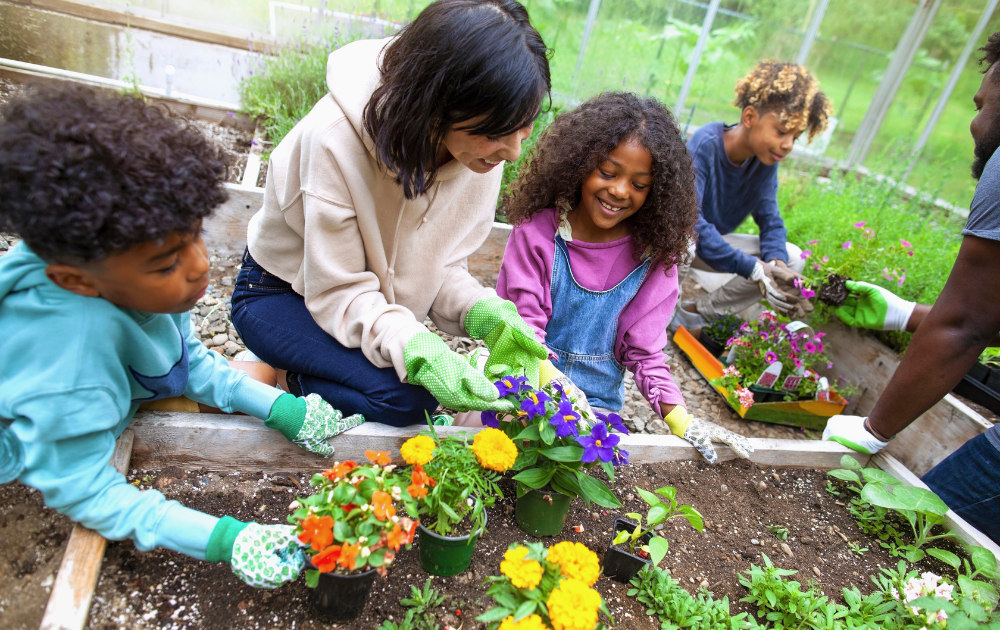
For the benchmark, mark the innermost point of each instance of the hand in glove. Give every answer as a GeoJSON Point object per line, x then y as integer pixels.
{"type": "Point", "coordinates": [310, 422]}
{"type": "Point", "coordinates": [852, 433]}
{"type": "Point", "coordinates": [263, 556]}
{"type": "Point", "coordinates": [514, 348]}
{"type": "Point", "coordinates": [701, 434]}
{"type": "Point", "coordinates": [875, 308]}
{"type": "Point", "coordinates": [777, 286]}
{"type": "Point", "coordinates": [453, 381]}
{"type": "Point", "coordinates": [549, 373]}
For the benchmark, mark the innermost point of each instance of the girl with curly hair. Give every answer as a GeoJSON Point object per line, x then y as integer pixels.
{"type": "Point", "coordinates": [602, 214]}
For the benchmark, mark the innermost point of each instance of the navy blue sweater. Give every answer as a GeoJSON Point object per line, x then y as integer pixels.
{"type": "Point", "coordinates": [727, 193]}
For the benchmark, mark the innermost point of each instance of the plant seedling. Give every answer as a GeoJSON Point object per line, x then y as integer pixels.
{"type": "Point", "coordinates": [662, 507]}
{"type": "Point", "coordinates": [420, 607]}
{"type": "Point", "coordinates": [781, 533]}
{"type": "Point", "coordinates": [856, 548]}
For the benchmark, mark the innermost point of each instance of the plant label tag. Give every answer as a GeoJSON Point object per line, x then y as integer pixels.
{"type": "Point", "coordinates": [792, 382]}
{"type": "Point", "coordinates": [770, 375]}
{"type": "Point", "coordinates": [823, 392]}
{"type": "Point", "coordinates": [797, 326]}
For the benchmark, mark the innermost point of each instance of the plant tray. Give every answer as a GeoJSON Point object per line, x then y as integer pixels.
{"type": "Point", "coordinates": [809, 414]}
{"type": "Point", "coordinates": [978, 392]}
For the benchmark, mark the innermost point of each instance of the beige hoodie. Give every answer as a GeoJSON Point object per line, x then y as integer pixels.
{"type": "Point", "coordinates": [370, 263]}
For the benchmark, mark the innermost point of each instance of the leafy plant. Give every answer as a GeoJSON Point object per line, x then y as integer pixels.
{"type": "Point", "coordinates": [351, 523]}
{"type": "Point", "coordinates": [783, 603]}
{"type": "Point", "coordinates": [856, 548]}
{"type": "Point", "coordinates": [420, 610]}
{"type": "Point", "coordinates": [660, 511]}
{"type": "Point", "coordinates": [557, 440]}
{"type": "Point", "coordinates": [781, 533]}
{"type": "Point", "coordinates": [723, 328]}
{"type": "Point", "coordinates": [450, 483]}
{"type": "Point", "coordinates": [984, 564]}
{"type": "Point", "coordinates": [676, 608]}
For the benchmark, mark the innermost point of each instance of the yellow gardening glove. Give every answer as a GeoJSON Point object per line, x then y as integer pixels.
{"type": "Point", "coordinates": [701, 434]}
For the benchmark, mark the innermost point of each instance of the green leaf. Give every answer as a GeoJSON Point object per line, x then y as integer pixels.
{"type": "Point", "coordinates": [648, 496]}
{"type": "Point", "coordinates": [565, 482]}
{"type": "Point", "coordinates": [946, 557]}
{"type": "Point", "coordinates": [494, 614]}
{"type": "Point", "coordinates": [987, 593]}
{"type": "Point", "coordinates": [874, 475]}
{"type": "Point", "coordinates": [984, 561]}
{"type": "Point", "coordinates": [845, 475]}
{"type": "Point", "coordinates": [548, 433]}
{"type": "Point", "coordinates": [635, 516]}
{"type": "Point", "coordinates": [620, 538]}
{"type": "Point", "coordinates": [597, 491]}
{"type": "Point", "coordinates": [657, 549]}
{"type": "Point", "coordinates": [921, 500]}
{"type": "Point", "coordinates": [377, 558]}
{"type": "Point", "coordinates": [563, 453]}
{"type": "Point", "coordinates": [914, 555]}
{"type": "Point", "coordinates": [312, 578]}
{"type": "Point", "coordinates": [850, 463]}
{"type": "Point", "coordinates": [535, 477]}
{"type": "Point", "coordinates": [526, 459]}
{"type": "Point", "coordinates": [530, 433]}
{"type": "Point", "coordinates": [693, 516]}
{"type": "Point", "coordinates": [656, 515]}
{"type": "Point", "coordinates": [341, 531]}
{"type": "Point", "coordinates": [667, 491]}
{"type": "Point", "coordinates": [525, 609]}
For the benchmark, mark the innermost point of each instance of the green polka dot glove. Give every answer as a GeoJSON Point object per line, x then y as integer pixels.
{"type": "Point", "coordinates": [263, 556]}
{"type": "Point", "coordinates": [514, 348]}
{"type": "Point", "coordinates": [310, 422]}
{"type": "Point", "coordinates": [453, 381]}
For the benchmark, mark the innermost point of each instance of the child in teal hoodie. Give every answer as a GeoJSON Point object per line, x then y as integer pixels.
{"type": "Point", "coordinates": [108, 195]}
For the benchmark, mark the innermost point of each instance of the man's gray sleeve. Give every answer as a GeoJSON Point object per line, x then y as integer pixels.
{"type": "Point", "coordinates": [984, 214]}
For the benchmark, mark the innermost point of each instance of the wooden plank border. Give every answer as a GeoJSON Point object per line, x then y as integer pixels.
{"type": "Point", "coordinates": [69, 601]}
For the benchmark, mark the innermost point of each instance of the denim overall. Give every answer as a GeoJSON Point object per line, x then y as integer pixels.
{"type": "Point", "coordinates": [583, 328]}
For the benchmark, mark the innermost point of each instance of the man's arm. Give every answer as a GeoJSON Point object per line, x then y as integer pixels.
{"type": "Point", "coordinates": [948, 339]}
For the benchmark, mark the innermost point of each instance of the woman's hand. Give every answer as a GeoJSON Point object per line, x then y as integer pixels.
{"type": "Point", "coordinates": [514, 349]}
{"type": "Point", "coordinates": [451, 378]}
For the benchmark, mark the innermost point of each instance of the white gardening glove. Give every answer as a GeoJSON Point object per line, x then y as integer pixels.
{"type": "Point", "coordinates": [870, 306]}
{"type": "Point", "coordinates": [851, 432]}
{"type": "Point", "coordinates": [701, 434]}
{"type": "Point", "coordinates": [764, 275]}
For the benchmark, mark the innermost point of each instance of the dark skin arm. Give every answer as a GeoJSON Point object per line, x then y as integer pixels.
{"type": "Point", "coordinates": [948, 340]}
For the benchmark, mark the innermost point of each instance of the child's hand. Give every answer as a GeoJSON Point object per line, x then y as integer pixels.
{"type": "Point", "coordinates": [267, 556]}
{"type": "Point", "coordinates": [310, 422]}
{"type": "Point", "coordinates": [514, 349]}
{"type": "Point", "coordinates": [701, 434]}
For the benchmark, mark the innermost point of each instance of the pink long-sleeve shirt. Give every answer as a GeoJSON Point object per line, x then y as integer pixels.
{"type": "Point", "coordinates": [526, 276]}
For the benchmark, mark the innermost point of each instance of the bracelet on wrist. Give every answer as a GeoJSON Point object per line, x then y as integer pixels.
{"type": "Point", "coordinates": [878, 436]}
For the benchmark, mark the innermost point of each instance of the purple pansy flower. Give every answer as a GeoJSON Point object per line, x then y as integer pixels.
{"type": "Point", "coordinates": [598, 445]}
{"type": "Point", "coordinates": [534, 404]}
{"type": "Point", "coordinates": [489, 419]}
{"type": "Point", "coordinates": [512, 385]}
{"type": "Point", "coordinates": [621, 458]}
{"type": "Point", "coordinates": [764, 336]}
{"type": "Point", "coordinates": [565, 420]}
{"type": "Point", "coordinates": [614, 421]}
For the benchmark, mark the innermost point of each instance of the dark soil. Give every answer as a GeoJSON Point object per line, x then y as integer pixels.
{"type": "Point", "coordinates": [834, 290]}
{"type": "Point", "coordinates": [160, 588]}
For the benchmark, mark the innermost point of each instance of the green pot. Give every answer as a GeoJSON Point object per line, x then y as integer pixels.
{"type": "Point", "coordinates": [542, 512]}
{"type": "Point", "coordinates": [446, 555]}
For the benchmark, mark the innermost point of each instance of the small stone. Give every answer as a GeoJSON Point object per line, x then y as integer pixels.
{"type": "Point", "coordinates": [762, 486]}
{"type": "Point", "coordinates": [754, 541]}
{"type": "Point", "coordinates": [217, 328]}
{"type": "Point", "coordinates": [785, 549]}
{"type": "Point", "coordinates": [816, 571]}
{"type": "Point", "coordinates": [595, 516]}
{"type": "Point", "coordinates": [657, 427]}
{"type": "Point", "coordinates": [806, 540]}
{"type": "Point", "coordinates": [231, 347]}
{"type": "Point", "coordinates": [220, 339]}
{"type": "Point", "coordinates": [227, 281]}
{"type": "Point", "coordinates": [639, 425]}
{"type": "Point", "coordinates": [216, 316]}
{"type": "Point", "coordinates": [724, 488]}
{"type": "Point", "coordinates": [777, 479]}
{"type": "Point", "coordinates": [205, 310]}
{"type": "Point", "coordinates": [630, 497]}
{"type": "Point", "coordinates": [692, 580]}
{"type": "Point", "coordinates": [704, 584]}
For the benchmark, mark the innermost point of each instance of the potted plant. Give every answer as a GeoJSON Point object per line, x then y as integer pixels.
{"type": "Point", "coordinates": [718, 332]}
{"type": "Point", "coordinates": [557, 441]}
{"type": "Point", "coordinates": [546, 589]}
{"type": "Point", "coordinates": [633, 546]}
{"type": "Point", "coordinates": [454, 482]}
{"type": "Point", "coordinates": [982, 384]}
{"type": "Point", "coordinates": [352, 531]}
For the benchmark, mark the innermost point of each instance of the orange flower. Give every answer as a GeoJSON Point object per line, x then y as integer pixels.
{"type": "Point", "coordinates": [411, 528]}
{"type": "Point", "coordinates": [382, 505]}
{"type": "Point", "coordinates": [379, 457]}
{"type": "Point", "coordinates": [396, 538]}
{"type": "Point", "coordinates": [347, 555]}
{"type": "Point", "coordinates": [318, 531]}
{"type": "Point", "coordinates": [326, 560]}
{"type": "Point", "coordinates": [417, 492]}
{"type": "Point", "coordinates": [421, 478]}
{"type": "Point", "coordinates": [340, 470]}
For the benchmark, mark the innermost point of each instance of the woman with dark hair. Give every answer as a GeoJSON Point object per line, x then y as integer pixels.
{"type": "Point", "coordinates": [373, 203]}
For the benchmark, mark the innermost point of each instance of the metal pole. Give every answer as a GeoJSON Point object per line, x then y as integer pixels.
{"type": "Point", "coordinates": [706, 29]}
{"type": "Point", "coordinates": [903, 56]}
{"type": "Point", "coordinates": [588, 28]}
{"type": "Point", "coordinates": [807, 43]}
{"type": "Point", "coordinates": [956, 72]}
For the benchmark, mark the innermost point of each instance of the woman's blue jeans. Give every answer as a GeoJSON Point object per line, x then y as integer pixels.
{"type": "Point", "coordinates": [275, 324]}
{"type": "Point", "coordinates": [968, 481]}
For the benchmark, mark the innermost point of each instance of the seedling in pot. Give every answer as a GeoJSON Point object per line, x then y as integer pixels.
{"type": "Point", "coordinates": [662, 507]}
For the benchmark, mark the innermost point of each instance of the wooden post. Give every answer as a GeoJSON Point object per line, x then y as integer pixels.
{"type": "Point", "coordinates": [69, 602]}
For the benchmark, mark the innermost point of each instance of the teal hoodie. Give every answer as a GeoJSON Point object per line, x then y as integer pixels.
{"type": "Point", "coordinates": [73, 371]}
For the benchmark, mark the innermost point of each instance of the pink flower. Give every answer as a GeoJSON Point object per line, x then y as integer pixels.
{"type": "Point", "coordinates": [909, 253]}
{"type": "Point", "coordinates": [798, 363]}
{"type": "Point", "coordinates": [745, 396]}
{"type": "Point", "coordinates": [808, 293]}
{"type": "Point", "coordinates": [846, 245]}
{"type": "Point", "coordinates": [813, 242]}
{"type": "Point", "coordinates": [826, 259]}
{"type": "Point", "coordinates": [869, 233]}
{"type": "Point", "coordinates": [764, 336]}
{"type": "Point", "coordinates": [731, 371]}
{"type": "Point", "coordinates": [816, 267]}
{"type": "Point", "coordinates": [860, 224]}
{"type": "Point", "coordinates": [902, 279]}
{"type": "Point", "coordinates": [905, 243]}
{"type": "Point", "coordinates": [819, 335]}
{"type": "Point", "coordinates": [805, 254]}
{"type": "Point", "coordinates": [770, 357]}
{"type": "Point", "coordinates": [829, 365]}
{"type": "Point", "coordinates": [810, 347]}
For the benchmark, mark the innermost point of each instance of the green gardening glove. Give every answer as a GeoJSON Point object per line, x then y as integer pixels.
{"type": "Point", "coordinates": [514, 348]}
{"type": "Point", "coordinates": [263, 556]}
{"type": "Point", "coordinates": [453, 381]}
{"type": "Point", "coordinates": [310, 422]}
{"type": "Point", "coordinates": [872, 307]}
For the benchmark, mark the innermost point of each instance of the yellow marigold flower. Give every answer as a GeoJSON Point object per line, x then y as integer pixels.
{"type": "Point", "coordinates": [534, 622]}
{"type": "Point", "coordinates": [573, 606]}
{"type": "Point", "coordinates": [522, 573]}
{"type": "Point", "coordinates": [493, 449]}
{"type": "Point", "coordinates": [418, 450]}
{"type": "Point", "coordinates": [575, 561]}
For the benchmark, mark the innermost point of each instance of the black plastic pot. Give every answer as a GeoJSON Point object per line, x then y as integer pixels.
{"type": "Point", "coordinates": [766, 394]}
{"type": "Point", "coordinates": [978, 393]}
{"type": "Point", "coordinates": [979, 372]}
{"type": "Point", "coordinates": [710, 344]}
{"type": "Point", "coordinates": [340, 597]}
{"type": "Point", "coordinates": [619, 564]}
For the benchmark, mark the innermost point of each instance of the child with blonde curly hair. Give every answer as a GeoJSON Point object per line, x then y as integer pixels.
{"type": "Point", "coordinates": [736, 168]}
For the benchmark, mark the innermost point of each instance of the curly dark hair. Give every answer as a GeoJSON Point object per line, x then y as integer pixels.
{"type": "Point", "coordinates": [85, 173]}
{"type": "Point", "coordinates": [991, 53]}
{"type": "Point", "coordinates": [788, 90]}
{"type": "Point", "coordinates": [579, 140]}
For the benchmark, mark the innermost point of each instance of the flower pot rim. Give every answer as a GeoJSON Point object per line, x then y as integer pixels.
{"type": "Point", "coordinates": [612, 547]}
{"type": "Point", "coordinates": [343, 575]}
{"type": "Point", "coordinates": [433, 534]}
{"type": "Point", "coordinates": [548, 490]}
